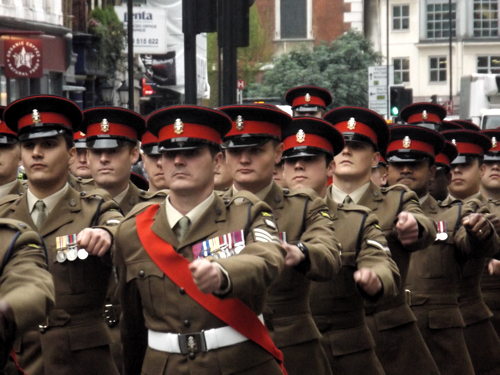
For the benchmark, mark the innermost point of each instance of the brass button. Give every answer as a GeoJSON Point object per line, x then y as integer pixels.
{"type": "Point", "coordinates": [187, 323]}
{"type": "Point", "coordinates": [142, 273]}
{"type": "Point", "coordinates": [182, 291]}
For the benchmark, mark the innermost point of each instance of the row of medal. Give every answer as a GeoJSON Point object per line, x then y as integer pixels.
{"type": "Point", "coordinates": [67, 249]}
{"type": "Point", "coordinates": [441, 234]}
{"type": "Point", "coordinates": [220, 247]}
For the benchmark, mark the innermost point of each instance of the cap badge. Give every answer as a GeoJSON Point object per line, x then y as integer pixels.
{"type": "Point", "coordinates": [104, 125]}
{"type": "Point", "coordinates": [307, 98]}
{"type": "Point", "coordinates": [178, 126]}
{"type": "Point", "coordinates": [240, 124]}
{"type": "Point", "coordinates": [82, 134]}
{"type": "Point", "coordinates": [454, 141]}
{"type": "Point", "coordinates": [406, 142]}
{"type": "Point", "coordinates": [351, 124]}
{"type": "Point", "coordinates": [424, 114]}
{"type": "Point", "coordinates": [300, 136]}
{"type": "Point", "coordinates": [35, 116]}
{"type": "Point", "coordinates": [493, 142]}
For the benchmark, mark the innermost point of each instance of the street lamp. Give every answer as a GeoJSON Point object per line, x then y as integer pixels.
{"type": "Point", "coordinates": [123, 93]}
{"type": "Point", "coordinates": [107, 93]}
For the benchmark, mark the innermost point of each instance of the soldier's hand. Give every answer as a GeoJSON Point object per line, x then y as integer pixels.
{"type": "Point", "coordinates": [206, 275]}
{"type": "Point", "coordinates": [407, 228]}
{"type": "Point", "coordinates": [477, 225]}
{"type": "Point", "coordinates": [293, 255]}
{"type": "Point", "coordinates": [368, 281]}
{"type": "Point", "coordinates": [96, 241]}
{"type": "Point", "coordinates": [494, 267]}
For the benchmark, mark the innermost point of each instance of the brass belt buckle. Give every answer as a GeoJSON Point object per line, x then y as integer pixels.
{"type": "Point", "coordinates": [192, 343]}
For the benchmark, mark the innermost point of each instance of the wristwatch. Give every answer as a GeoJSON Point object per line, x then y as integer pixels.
{"type": "Point", "coordinates": [303, 248]}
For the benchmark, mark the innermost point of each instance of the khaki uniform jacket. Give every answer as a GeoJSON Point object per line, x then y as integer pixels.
{"type": "Point", "coordinates": [25, 284]}
{"type": "Point", "coordinates": [75, 325]}
{"type": "Point", "coordinates": [134, 196]}
{"type": "Point", "coordinates": [432, 286]}
{"type": "Point", "coordinates": [304, 217]}
{"type": "Point", "coordinates": [18, 188]}
{"type": "Point", "coordinates": [81, 184]}
{"type": "Point", "coordinates": [151, 300]}
{"type": "Point", "coordinates": [338, 305]}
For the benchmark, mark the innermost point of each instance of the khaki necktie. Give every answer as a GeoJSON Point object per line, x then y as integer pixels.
{"type": "Point", "coordinates": [347, 200]}
{"type": "Point", "coordinates": [182, 227]}
{"type": "Point", "coordinates": [41, 209]}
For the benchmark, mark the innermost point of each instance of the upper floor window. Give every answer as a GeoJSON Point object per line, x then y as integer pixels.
{"type": "Point", "coordinates": [293, 19]}
{"type": "Point", "coordinates": [485, 18]}
{"type": "Point", "coordinates": [488, 64]}
{"type": "Point", "coordinates": [400, 17]}
{"type": "Point", "coordinates": [438, 19]}
{"type": "Point", "coordinates": [437, 69]}
{"type": "Point", "coordinates": [401, 69]}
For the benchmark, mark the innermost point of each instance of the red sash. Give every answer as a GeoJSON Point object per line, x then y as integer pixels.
{"type": "Point", "coordinates": [231, 311]}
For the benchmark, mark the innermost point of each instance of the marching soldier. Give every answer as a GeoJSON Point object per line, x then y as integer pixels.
{"type": "Point", "coordinates": [151, 157]}
{"type": "Point", "coordinates": [76, 230]}
{"type": "Point", "coordinates": [490, 189]}
{"type": "Point", "coordinates": [367, 268]}
{"type": "Point", "coordinates": [195, 269]}
{"type": "Point", "coordinates": [10, 159]}
{"type": "Point", "coordinates": [404, 224]}
{"type": "Point", "coordinates": [112, 141]}
{"type": "Point", "coordinates": [26, 287]}
{"type": "Point", "coordinates": [308, 100]}
{"type": "Point", "coordinates": [432, 281]}
{"type": "Point", "coordinates": [80, 177]}
{"type": "Point", "coordinates": [253, 147]}
{"type": "Point", "coordinates": [481, 338]}
{"type": "Point", "coordinates": [438, 187]}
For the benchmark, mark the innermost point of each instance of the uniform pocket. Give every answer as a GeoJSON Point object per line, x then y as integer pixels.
{"type": "Point", "coordinates": [445, 318]}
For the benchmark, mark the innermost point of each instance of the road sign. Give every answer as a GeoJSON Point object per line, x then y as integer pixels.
{"type": "Point", "coordinates": [240, 85]}
{"type": "Point", "coordinates": [377, 88]}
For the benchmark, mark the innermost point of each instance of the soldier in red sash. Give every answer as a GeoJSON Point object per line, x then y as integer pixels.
{"type": "Point", "coordinates": [194, 270]}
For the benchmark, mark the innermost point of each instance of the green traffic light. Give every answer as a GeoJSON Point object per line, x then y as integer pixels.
{"type": "Point", "coordinates": [394, 111]}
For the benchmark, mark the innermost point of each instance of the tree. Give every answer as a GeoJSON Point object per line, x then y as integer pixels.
{"type": "Point", "coordinates": [340, 66]}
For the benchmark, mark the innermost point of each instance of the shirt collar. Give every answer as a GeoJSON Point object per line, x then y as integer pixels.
{"type": "Point", "coordinates": [118, 199]}
{"type": "Point", "coordinates": [50, 201]}
{"type": "Point", "coordinates": [339, 195]}
{"type": "Point", "coordinates": [173, 215]}
{"type": "Point", "coordinates": [423, 199]}
{"type": "Point", "coordinates": [4, 189]}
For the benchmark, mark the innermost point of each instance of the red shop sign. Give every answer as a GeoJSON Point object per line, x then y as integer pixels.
{"type": "Point", "coordinates": [23, 58]}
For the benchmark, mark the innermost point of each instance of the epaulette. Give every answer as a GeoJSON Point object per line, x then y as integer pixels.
{"type": "Point", "coordinates": [395, 187]}
{"type": "Point", "coordinates": [449, 202]}
{"type": "Point", "coordinates": [354, 207]}
{"type": "Point", "coordinates": [146, 195]}
{"type": "Point", "coordinates": [14, 224]}
{"type": "Point", "coordinates": [9, 198]}
{"type": "Point", "coordinates": [474, 204]}
{"type": "Point", "coordinates": [241, 196]}
{"type": "Point", "coordinates": [96, 193]}
{"type": "Point", "coordinates": [138, 208]}
{"type": "Point", "coordinates": [302, 192]}
{"type": "Point", "coordinates": [495, 202]}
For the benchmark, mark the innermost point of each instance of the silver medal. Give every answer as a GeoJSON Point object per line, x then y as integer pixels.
{"type": "Point", "coordinates": [60, 256]}
{"type": "Point", "coordinates": [442, 236]}
{"type": "Point", "coordinates": [82, 254]}
{"type": "Point", "coordinates": [72, 254]}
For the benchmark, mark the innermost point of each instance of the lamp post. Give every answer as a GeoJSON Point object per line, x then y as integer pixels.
{"type": "Point", "coordinates": [107, 93]}
{"type": "Point", "coordinates": [123, 92]}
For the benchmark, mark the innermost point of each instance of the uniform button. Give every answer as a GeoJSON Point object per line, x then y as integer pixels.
{"type": "Point", "coordinates": [82, 193]}
{"type": "Point", "coordinates": [182, 291]}
{"type": "Point", "coordinates": [72, 203]}
{"type": "Point", "coordinates": [142, 273]}
{"type": "Point", "coordinates": [187, 323]}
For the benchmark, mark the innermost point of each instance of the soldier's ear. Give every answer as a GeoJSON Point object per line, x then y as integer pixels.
{"type": "Point", "coordinates": [375, 159]}
{"type": "Point", "coordinates": [330, 169]}
{"type": "Point", "coordinates": [134, 154]}
{"type": "Point", "coordinates": [278, 151]}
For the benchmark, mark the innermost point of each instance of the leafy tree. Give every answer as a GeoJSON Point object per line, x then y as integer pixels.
{"type": "Point", "coordinates": [340, 66]}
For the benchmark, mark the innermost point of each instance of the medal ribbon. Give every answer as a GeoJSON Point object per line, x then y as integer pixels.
{"type": "Point", "coordinates": [231, 311]}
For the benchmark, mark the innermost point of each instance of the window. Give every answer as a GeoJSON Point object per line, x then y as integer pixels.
{"type": "Point", "coordinates": [293, 19]}
{"type": "Point", "coordinates": [488, 64]}
{"type": "Point", "coordinates": [437, 69]}
{"type": "Point", "coordinates": [485, 18]}
{"type": "Point", "coordinates": [437, 19]}
{"type": "Point", "coordinates": [401, 69]}
{"type": "Point", "coordinates": [400, 17]}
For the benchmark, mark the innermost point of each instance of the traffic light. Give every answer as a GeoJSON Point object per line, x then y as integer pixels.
{"type": "Point", "coordinates": [400, 97]}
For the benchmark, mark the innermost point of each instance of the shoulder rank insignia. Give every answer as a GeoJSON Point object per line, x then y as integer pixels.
{"type": "Point", "coordinates": [270, 223]}
{"type": "Point", "coordinates": [178, 126]}
{"type": "Point", "coordinates": [262, 235]}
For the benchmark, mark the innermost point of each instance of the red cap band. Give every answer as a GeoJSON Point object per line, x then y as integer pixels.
{"type": "Point", "coordinates": [149, 138]}
{"type": "Point", "coordinates": [312, 140]}
{"type": "Point", "coordinates": [469, 148]}
{"type": "Point", "coordinates": [256, 127]}
{"type": "Point", "coordinates": [419, 117]}
{"type": "Point", "coordinates": [314, 100]}
{"type": "Point", "coordinates": [190, 131]}
{"type": "Point", "coordinates": [114, 129]}
{"type": "Point", "coordinates": [359, 128]}
{"type": "Point", "coordinates": [45, 118]}
{"type": "Point", "coordinates": [79, 135]}
{"type": "Point", "coordinates": [4, 129]}
{"type": "Point", "coordinates": [399, 144]}
{"type": "Point", "coordinates": [443, 159]}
